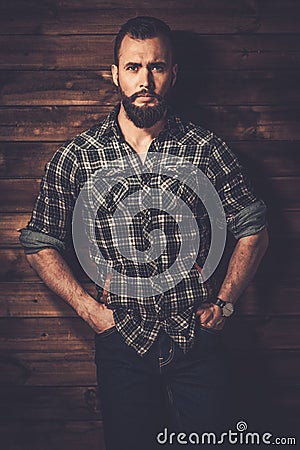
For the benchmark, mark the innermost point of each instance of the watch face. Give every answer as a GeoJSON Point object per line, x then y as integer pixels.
{"type": "Point", "coordinates": [228, 309]}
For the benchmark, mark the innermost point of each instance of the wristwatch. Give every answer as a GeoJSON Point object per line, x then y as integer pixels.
{"type": "Point", "coordinates": [227, 307]}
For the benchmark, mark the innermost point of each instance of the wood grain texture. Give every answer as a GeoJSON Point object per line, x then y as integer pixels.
{"type": "Point", "coordinates": [50, 369]}
{"type": "Point", "coordinates": [96, 52]}
{"type": "Point", "coordinates": [35, 300]}
{"type": "Point", "coordinates": [50, 403]}
{"type": "Point", "coordinates": [58, 434]}
{"type": "Point", "coordinates": [41, 334]}
{"type": "Point", "coordinates": [74, 17]}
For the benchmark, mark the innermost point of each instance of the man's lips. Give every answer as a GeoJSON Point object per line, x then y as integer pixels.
{"type": "Point", "coordinates": [146, 97]}
{"type": "Point", "coordinates": [143, 95]}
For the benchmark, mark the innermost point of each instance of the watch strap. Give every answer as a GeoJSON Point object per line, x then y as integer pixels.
{"type": "Point", "coordinates": [219, 302]}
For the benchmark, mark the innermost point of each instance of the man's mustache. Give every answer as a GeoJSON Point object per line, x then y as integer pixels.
{"type": "Point", "coordinates": [143, 93]}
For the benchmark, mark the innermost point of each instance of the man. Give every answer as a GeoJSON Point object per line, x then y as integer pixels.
{"type": "Point", "coordinates": [159, 357]}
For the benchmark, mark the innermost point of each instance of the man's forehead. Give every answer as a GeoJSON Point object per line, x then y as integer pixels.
{"type": "Point", "coordinates": [157, 48]}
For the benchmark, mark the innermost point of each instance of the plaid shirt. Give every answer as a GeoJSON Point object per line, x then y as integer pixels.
{"type": "Point", "coordinates": [139, 319]}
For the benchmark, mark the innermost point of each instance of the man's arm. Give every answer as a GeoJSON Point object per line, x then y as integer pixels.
{"type": "Point", "coordinates": [242, 266]}
{"type": "Point", "coordinates": [56, 274]}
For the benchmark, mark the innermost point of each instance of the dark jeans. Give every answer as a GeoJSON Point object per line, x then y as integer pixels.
{"type": "Point", "coordinates": [165, 389]}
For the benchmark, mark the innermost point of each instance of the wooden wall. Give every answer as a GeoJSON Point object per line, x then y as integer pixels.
{"type": "Point", "coordinates": [241, 79]}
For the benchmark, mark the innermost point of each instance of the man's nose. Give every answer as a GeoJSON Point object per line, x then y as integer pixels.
{"type": "Point", "coordinates": [146, 79]}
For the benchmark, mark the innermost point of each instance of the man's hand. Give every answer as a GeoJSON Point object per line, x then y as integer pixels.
{"type": "Point", "coordinates": [210, 316]}
{"type": "Point", "coordinates": [55, 272]}
{"type": "Point", "coordinates": [98, 316]}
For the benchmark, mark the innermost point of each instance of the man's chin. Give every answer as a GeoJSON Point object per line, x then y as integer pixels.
{"type": "Point", "coordinates": [143, 114]}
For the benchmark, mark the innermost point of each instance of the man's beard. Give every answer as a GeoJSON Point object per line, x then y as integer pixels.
{"type": "Point", "coordinates": [143, 116]}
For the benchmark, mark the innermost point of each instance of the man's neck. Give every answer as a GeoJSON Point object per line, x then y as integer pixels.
{"type": "Point", "coordinates": [138, 138]}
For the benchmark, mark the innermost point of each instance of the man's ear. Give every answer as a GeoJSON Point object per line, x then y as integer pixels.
{"type": "Point", "coordinates": [114, 72]}
{"type": "Point", "coordinates": [174, 74]}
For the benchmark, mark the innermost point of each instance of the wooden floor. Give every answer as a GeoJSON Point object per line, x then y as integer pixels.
{"type": "Point", "coordinates": [240, 77]}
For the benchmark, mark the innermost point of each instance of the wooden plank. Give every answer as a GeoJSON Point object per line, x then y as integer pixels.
{"type": "Point", "coordinates": [96, 52]}
{"type": "Point", "coordinates": [50, 435]}
{"type": "Point", "coordinates": [217, 16]}
{"type": "Point", "coordinates": [71, 334]}
{"type": "Point", "coordinates": [36, 300]}
{"type": "Point", "coordinates": [25, 159]}
{"type": "Point", "coordinates": [49, 123]}
{"type": "Point", "coordinates": [264, 159]}
{"type": "Point", "coordinates": [261, 158]}
{"type": "Point", "coordinates": [244, 123]}
{"type": "Point", "coordinates": [16, 268]}
{"type": "Point", "coordinates": [50, 369]}
{"type": "Point", "coordinates": [55, 334]}
{"type": "Point", "coordinates": [236, 6]}
{"type": "Point", "coordinates": [78, 368]}
{"type": "Point", "coordinates": [263, 298]}
{"type": "Point", "coordinates": [52, 403]}
{"type": "Point", "coordinates": [9, 226]}
{"type": "Point", "coordinates": [106, 21]}
{"type": "Point", "coordinates": [248, 123]}
{"type": "Point", "coordinates": [227, 87]}
{"type": "Point", "coordinates": [236, 87]}
{"type": "Point", "coordinates": [263, 332]}
{"type": "Point", "coordinates": [57, 88]}
{"type": "Point", "coordinates": [19, 195]}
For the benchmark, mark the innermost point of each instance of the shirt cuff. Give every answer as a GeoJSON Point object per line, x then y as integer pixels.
{"type": "Point", "coordinates": [250, 220]}
{"type": "Point", "coordinates": [35, 241]}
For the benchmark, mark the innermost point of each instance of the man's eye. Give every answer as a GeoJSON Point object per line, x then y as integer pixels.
{"type": "Point", "coordinates": [158, 68]}
{"type": "Point", "coordinates": [132, 68]}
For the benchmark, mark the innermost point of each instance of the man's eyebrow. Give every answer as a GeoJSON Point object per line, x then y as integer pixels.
{"type": "Point", "coordinates": [156, 63]}
{"type": "Point", "coordinates": [133, 64]}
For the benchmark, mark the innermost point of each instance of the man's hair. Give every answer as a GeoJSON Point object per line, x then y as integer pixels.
{"type": "Point", "coordinates": [142, 27]}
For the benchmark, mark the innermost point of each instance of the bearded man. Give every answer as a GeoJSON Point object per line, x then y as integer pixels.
{"type": "Point", "coordinates": [160, 363]}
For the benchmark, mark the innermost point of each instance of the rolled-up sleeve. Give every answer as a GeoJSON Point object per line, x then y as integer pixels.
{"type": "Point", "coordinates": [250, 220]}
{"type": "Point", "coordinates": [245, 212]}
{"type": "Point", "coordinates": [34, 241]}
{"type": "Point", "coordinates": [50, 223]}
